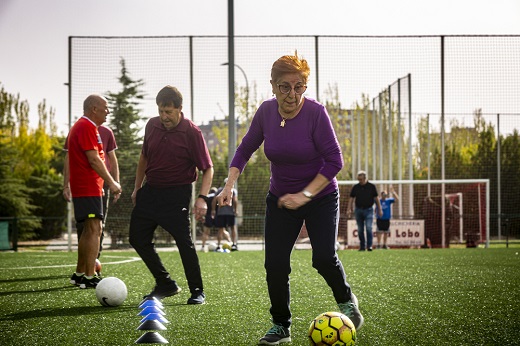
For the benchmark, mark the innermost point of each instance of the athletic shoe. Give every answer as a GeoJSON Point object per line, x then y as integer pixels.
{"type": "Point", "coordinates": [385, 247]}
{"type": "Point", "coordinates": [276, 335]}
{"type": "Point", "coordinates": [164, 290]}
{"type": "Point", "coordinates": [369, 249]}
{"type": "Point", "coordinates": [378, 247]}
{"type": "Point", "coordinates": [197, 297]}
{"type": "Point", "coordinates": [351, 310]}
{"type": "Point", "coordinates": [89, 283]}
{"type": "Point", "coordinates": [75, 279]}
{"type": "Point", "coordinates": [234, 247]}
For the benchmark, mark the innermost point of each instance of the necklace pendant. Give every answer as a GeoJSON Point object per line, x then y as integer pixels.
{"type": "Point", "coordinates": [282, 124]}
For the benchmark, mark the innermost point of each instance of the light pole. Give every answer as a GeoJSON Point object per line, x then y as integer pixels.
{"type": "Point", "coordinates": [247, 84]}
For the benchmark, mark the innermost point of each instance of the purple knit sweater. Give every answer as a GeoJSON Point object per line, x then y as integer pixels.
{"type": "Point", "coordinates": [306, 146]}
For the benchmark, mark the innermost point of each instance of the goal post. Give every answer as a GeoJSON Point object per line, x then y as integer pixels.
{"type": "Point", "coordinates": [466, 202]}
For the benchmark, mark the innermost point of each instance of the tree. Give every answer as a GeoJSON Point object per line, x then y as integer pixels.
{"type": "Point", "coordinates": [126, 122]}
{"type": "Point", "coordinates": [14, 195]}
{"type": "Point", "coordinates": [126, 119]}
{"type": "Point", "coordinates": [341, 123]}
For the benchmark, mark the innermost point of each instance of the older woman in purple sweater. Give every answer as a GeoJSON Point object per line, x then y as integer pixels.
{"type": "Point", "coordinates": [305, 157]}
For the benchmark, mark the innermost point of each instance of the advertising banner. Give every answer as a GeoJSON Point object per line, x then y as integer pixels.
{"type": "Point", "coordinates": [402, 233]}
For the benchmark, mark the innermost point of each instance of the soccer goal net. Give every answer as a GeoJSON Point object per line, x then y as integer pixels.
{"type": "Point", "coordinates": [426, 213]}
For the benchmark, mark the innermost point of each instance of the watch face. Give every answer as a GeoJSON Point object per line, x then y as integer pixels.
{"type": "Point", "coordinates": [307, 194]}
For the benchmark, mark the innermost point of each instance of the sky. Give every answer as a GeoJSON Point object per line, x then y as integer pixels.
{"type": "Point", "coordinates": [34, 34]}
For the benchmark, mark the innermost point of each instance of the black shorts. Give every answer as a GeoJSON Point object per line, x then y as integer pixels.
{"type": "Point", "coordinates": [383, 225]}
{"type": "Point", "coordinates": [88, 208]}
{"type": "Point", "coordinates": [224, 221]}
{"type": "Point", "coordinates": [209, 222]}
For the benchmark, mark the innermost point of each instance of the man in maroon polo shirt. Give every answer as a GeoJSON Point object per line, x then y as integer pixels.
{"type": "Point", "coordinates": [173, 152]}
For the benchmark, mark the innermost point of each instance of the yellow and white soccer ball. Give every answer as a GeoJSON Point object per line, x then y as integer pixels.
{"type": "Point", "coordinates": [332, 329]}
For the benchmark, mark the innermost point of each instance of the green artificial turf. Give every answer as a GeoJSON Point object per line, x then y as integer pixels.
{"type": "Point", "coordinates": [408, 297]}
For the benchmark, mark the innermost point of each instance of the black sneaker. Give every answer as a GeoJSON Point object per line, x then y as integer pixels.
{"type": "Point", "coordinates": [76, 279]}
{"type": "Point", "coordinates": [234, 247]}
{"type": "Point", "coordinates": [197, 297]}
{"type": "Point", "coordinates": [89, 283]}
{"type": "Point", "coordinates": [276, 335]}
{"type": "Point", "coordinates": [164, 290]}
{"type": "Point", "coordinates": [351, 310]}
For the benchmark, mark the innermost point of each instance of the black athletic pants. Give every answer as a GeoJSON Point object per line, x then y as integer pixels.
{"type": "Point", "coordinates": [282, 227]}
{"type": "Point", "coordinates": [168, 208]}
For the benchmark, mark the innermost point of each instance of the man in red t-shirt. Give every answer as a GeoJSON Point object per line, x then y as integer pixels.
{"type": "Point", "coordinates": [173, 151]}
{"type": "Point", "coordinates": [87, 175]}
{"type": "Point", "coordinates": [109, 148]}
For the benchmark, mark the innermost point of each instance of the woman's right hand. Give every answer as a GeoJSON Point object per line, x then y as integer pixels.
{"type": "Point", "coordinates": [225, 197]}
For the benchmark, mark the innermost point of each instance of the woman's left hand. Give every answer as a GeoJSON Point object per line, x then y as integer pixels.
{"type": "Point", "coordinates": [292, 201]}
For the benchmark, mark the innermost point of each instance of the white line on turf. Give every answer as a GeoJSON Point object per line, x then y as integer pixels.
{"type": "Point", "coordinates": [131, 259]}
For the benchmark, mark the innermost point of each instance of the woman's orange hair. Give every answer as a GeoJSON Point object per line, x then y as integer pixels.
{"type": "Point", "coordinates": [290, 64]}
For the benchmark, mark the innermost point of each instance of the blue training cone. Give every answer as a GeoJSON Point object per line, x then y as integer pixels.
{"type": "Point", "coordinates": [151, 302]}
{"type": "Point", "coordinates": [151, 310]}
{"type": "Point", "coordinates": [155, 316]}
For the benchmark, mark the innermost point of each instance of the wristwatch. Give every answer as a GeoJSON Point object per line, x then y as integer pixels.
{"type": "Point", "coordinates": [307, 194]}
{"type": "Point", "coordinates": [205, 198]}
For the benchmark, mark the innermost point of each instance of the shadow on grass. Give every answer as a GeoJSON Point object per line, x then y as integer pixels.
{"type": "Point", "coordinates": [40, 278]}
{"type": "Point", "coordinates": [60, 278]}
{"type": "Point", "coordinates": [69, 311]}
{"type": "Point", "coordinates": [42, 290]}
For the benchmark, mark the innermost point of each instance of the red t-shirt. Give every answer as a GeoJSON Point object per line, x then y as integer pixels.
{"type": "Point", "coordinates": [108, 139]}
{"type": "Point", "coordinates": [84, 180]}
{"type": "Point", "coordinates": [174, 155]}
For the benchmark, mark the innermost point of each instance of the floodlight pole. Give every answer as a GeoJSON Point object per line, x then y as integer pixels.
{"type": "Point", "coordinates": [443, 172]}
{"type": "Point", "coordinates": [69, 204]}
{"type": "Point", "coordinates": [231, 82]}
{"type": "Point", "coordinates": [499, 190]}
{"type": "Point", "coordinates": [247, 85]}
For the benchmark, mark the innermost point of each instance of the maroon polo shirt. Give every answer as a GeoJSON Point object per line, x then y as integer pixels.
{"type": "Point", "coordinates": [174, 156]}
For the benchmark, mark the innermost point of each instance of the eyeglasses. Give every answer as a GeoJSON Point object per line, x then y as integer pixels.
{"type": "Point", "coordinates": [286, 88]}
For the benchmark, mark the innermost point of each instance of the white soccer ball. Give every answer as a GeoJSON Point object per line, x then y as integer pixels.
{"type": "Point", "coordinates": [212, 246]}
{"type": "Point", "coordinates": [111, 291]}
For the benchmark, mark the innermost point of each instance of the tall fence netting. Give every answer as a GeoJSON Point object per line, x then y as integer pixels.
{"type": "Point", "coordinates": [392, 101]}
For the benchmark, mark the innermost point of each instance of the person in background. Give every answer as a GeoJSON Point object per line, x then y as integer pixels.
{"type": "Point", "coordinates": [305, 157]}
{"type": "Point", "coordinates": [173, 152]}
{"type": "Point", "coordinates": [383, 220]}
{"type": "Point", "coordinates": [112, 165]}
{"type": "Point", "coordinates": [363, 195]}
{"type": "Point", "coordinates": [209, 223]}
{"type": "Point", "coordinates": [225, 218]}
{"type": "Point", "coordinates": [87, 174]}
